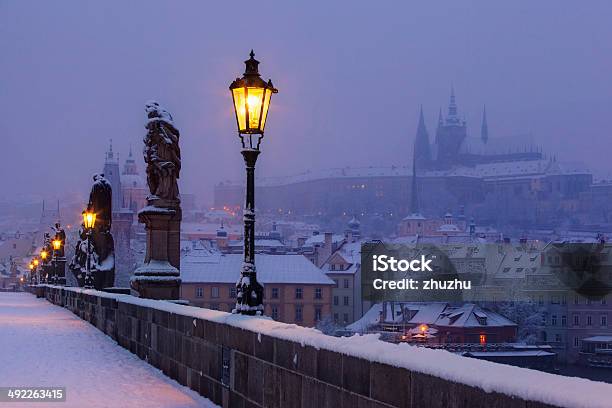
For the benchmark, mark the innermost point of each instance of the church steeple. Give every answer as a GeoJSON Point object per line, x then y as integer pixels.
{"type": "Point", "coordinates": [422, 149]}
{"type": "Point", "coordinates": [414, 200]}
{"type": "Point", "coordinates": [452, 106]}
{"type": "Point", "coordinates": [484, 129]}
{"type": "Point", "coordinates": [110, 156]}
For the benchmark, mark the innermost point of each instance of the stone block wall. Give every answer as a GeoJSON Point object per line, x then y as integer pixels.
{"type": "Point", "coordinates": [238, 368]}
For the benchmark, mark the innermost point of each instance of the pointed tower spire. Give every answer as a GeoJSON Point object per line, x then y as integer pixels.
{"type": "Point", "coordinates": [484, 129]}
{"type": "Point", "coordinates": [414, 201]}
{"type": "Point", "coordinates": [422, 150]}
{"type": "Point", "coordinates": [452, 106]}
{"type": "Point", "coordinates": [440, 118]}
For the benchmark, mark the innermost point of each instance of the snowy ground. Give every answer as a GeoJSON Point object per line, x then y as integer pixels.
{"type": "Point", "coordinates": [44, 345]}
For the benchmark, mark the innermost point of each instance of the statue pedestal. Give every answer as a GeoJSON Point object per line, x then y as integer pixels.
{"type": "Point", "coordinates": [159, 277]}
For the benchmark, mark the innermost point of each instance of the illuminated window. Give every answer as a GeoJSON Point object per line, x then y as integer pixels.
{"type": "Point", "coordinates": [483, 339]}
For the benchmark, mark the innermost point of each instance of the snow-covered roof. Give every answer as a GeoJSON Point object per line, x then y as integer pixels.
{"type": "Point", "coordinates": [207, 267]}
{"type": "Point", "coordinates": [439, 314]}
{"type": "Point", "coordinates": [320, 239]}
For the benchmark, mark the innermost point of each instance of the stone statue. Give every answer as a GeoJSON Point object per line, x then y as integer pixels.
{"type": "Point", "coordinates": [162, 154]}
{"type": "Point", "coordinates": [159, 276]}
{"type": "Point", "coordinates": [101, 202]}
{"type": "Point", "coordinates": [97, 245]}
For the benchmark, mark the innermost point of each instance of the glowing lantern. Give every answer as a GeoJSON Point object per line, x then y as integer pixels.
{"type": "Point", "coordinates": [89, 219]}
{"type": "Point", "coordinates": [57, 244]}
{"type": "Point", "coordinates": [43, 255]}
{"type": "Point", "coordinates": [251, 96]}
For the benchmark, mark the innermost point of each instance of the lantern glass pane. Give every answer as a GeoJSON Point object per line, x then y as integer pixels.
{"type": "Point", "coordinates": [239, 106]}
{"type": "Point", "coordinates": [266, 106]}
{"type": "Point", "coordinates": [254, 102]}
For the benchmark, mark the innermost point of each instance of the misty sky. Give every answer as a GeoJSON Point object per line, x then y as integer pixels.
{"type": "Point", "coordinates": [351, 77]}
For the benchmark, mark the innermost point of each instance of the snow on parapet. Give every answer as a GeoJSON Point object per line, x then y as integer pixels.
{"type": "Point", "coordinates": [530, 385]}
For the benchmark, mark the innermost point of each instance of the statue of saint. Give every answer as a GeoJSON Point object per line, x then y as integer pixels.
{"type": "Point", "coordinates": [162, 154]}
{"type": "Point", "coordinates": [101, 202]}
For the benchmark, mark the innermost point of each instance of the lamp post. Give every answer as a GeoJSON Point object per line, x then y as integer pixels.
{"type": "Point", "coordinates": [32, 272]}
{"type": "Point", "coordinates": [57, 245]}
{"type": "Point", "coordinates": [44, 267]}
{"type": "Point", "coordinates": [89, 221]}
{"type": "Point", "coordinates": [36, 270]}
{"type": "Point", "coordinates": [251, 96]}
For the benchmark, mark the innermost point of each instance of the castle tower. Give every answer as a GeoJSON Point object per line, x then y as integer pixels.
{"type": "Point", "coordinates": [484, 128]}
{"type": "Point", "coordinates": [422, 149]}
{"type": "Point", "coordinates": [112, 174]}
{"type": "Point", "coordinates": [450, 135]}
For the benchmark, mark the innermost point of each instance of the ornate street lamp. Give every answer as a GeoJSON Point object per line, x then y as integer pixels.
{"type": "Point", "coordinates": [57, 245]}
{"type": "Point", "coordinates": [36, 270]}
{"type": "Point", "coordinates": [31, 266]}
{"type": "Point", "coordinates": [89, 221]}
{"type": "Point", "coordinates": [44, 267]}
{"type": "Point", "coordinates": [251, 96]}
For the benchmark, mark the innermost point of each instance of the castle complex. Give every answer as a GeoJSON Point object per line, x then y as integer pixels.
{"type": "Point", "coordinates": [496, 181]}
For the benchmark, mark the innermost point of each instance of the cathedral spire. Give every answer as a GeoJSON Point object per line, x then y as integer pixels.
{"type": "Point", "coordinates": [109, 154]}
{"type": "Point", "coordinates": [452, 106]}
{"type": "Point", "coordinates": [440, 118]}
{"type": "Point", "coordinates": [422, 151]}
{"type": "Point", "coordinates": [414, 201]}
{"type": "Point", "coordinates": [484, 129]}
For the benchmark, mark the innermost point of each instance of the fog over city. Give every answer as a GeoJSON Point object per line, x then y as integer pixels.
{"type": "Point", "coordinates": [351, 77]}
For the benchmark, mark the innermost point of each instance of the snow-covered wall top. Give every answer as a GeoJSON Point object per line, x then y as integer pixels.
{"type": "Point", "coordinates": [517, 382]}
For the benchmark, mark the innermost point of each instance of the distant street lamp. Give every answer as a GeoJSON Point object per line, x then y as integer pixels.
{"type": "Point", "coordinates": [44, 267]}
{"type": "Point", "coordinates": [36, 270]}
{"type": "Point", "coordinates": [251, 96]}
{"type": "Point", "coordinates": [57, 245]}
{"type": "Point", "coordinates": [31, 266]}
{"type": "Point", "coordinates": [89, 221]}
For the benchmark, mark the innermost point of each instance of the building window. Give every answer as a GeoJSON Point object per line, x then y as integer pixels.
{"type": "Point", "coordinates": [214, 306]}
{"type": "Point", "coordinates": [553, 320]}
{"type": "Point", "coordinates": [345, 318]}
{"type": "Point", "coordinates": [564, 321]}
{"type": "Point", "coordinates": [346, 301]}
{"type": "Point", "coordinates": [554, 300]}
{"type": "Point", "coordinates": [541, 300]}
{"type": "Point", "coordinates": [275, 312]}
{"type": "Point", "coordinates": [232, 292]}
{"type": "Point", "coordinates": [199, 292]}
{"type": "Point", "coordinates": [603, 300]}
{"type": "Point", "coordinates": [299, 293]}
{"type": "Point", "coordinates": [558, 338]}
{"type": "Point", "coordinates": [317, 314]}
{"type": "Point", "coordinates": [318, 293]}
{"type": "Point", "coordinates": [214, 292]}
{"type": "Point", "coordinates": [576, 300]}
{"type": "Point", "coordinates": [604, 320]}
{"type": "Point", "coordinates": [346, 284]}
{"type": "Point", "coordinates": [335, 317]}
{"type": "Point", "coordinates": [333, 267]}
{"type": "Point", "coordinates": [589, 320]}
{"type": "Point", "coordinates": [336, 301]}
{"type": "Point", "coordinates": [298, 313]}
{"type": "Point", "coordinates": [564, 300]}
{"type": "Point", "coordinates": [274, 293]}
{"type": "Point", "coordinates": [576, 342]}
{"type": "Point", "coordinates": [576, 320]}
